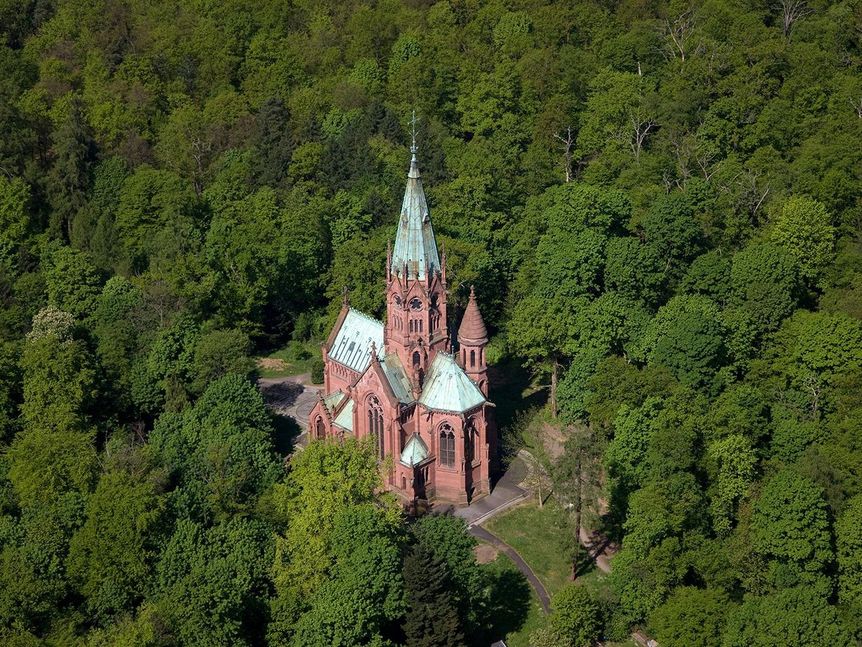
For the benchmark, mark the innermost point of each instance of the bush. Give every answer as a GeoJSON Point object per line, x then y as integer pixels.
{"type": "Point", "coordinates": [317, 371]}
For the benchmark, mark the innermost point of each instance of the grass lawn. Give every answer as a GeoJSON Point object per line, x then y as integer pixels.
{"type": "Point", "coordinates": [543, 539]}
{"type": "Point", "coordinates": [516, 609]}
{"type": "Point", "coordinates": [292, 359]}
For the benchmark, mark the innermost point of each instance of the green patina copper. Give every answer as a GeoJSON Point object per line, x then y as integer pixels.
{"type": "Point", "coordinates": [415, 246]}
{"type": "Point", "coordinates": [415, 451]}
{"type": "Point", "coordinates": [447, 387]}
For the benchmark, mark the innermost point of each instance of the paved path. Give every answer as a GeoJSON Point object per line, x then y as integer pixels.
{"type": "Point", "coordinates": [291, 396]}
{"type": "Point", "coordinates": [506, 493]}
{"type": "Point", "coordinates": [485, 535]}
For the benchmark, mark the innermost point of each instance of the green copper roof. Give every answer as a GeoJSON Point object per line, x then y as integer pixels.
{"type": "Point", "coordinates": [415, 246]}
{"type": "Point", "coordinates": [352, 344]}
{"type": "Point", "coordinates": [333, 399]}
{"type": "Point", "coordinates": [415, 451]}
{"type": "Point", "coordinates": [447, 387]}
{"type": "Point", "coordinates": [345, 417]}
{"type": "Point", "coordinates": [397, 378]}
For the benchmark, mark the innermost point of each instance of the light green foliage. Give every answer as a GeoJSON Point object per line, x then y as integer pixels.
{"type": "Point", "coordinates": [732, 461]}
{"type": "Point", "coordinates": [692, 617]}
{"type": "Point", "coordinates": [73, 282]}
{"type": "Point", "coordinates": [209, 582]}
{"type": "Point", "coordinates": [661, 509]}
{"type": "Point", "coordinates": [804, 230]}
{"type": "Point", "coordinates": [625, 456]}
{"type": "Point", "coordinates": [790, 527]}
{"type": "Point", "coordinates": [812, 352]}
{"type": "Point", "coordinates": [576, 617]}
{"type": "Point", "coordinates": [112, 555]}
{"type": "Point", "coordinates": [364, 588]}
{"type": "Point", "coordinates": [658, 206]}
{"type": "Point", "coordinates": [47, 462]}
{"type": "Point", "coordinates": [325, 479]}
{"type": "Point", "coordinates": [797, 615]}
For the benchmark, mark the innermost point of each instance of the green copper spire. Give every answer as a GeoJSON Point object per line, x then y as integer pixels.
{"type": "Point", "coordinates": [415, 246]}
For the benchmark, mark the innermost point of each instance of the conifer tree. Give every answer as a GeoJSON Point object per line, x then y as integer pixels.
{"type": "Point", "coordinates": [432, 619]}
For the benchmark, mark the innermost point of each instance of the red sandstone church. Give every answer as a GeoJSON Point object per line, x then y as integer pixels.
{"type": "Point", "coordinates": [398, 382]}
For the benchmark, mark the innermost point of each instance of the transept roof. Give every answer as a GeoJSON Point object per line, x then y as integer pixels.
{"type": "Point", "coordinates": [352, 343]}
{"type": "Point", "coordinates": [447, 387]}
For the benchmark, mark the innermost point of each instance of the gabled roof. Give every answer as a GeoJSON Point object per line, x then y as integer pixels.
{"type": "Point", "coordinates": [447, 387]}
{"type": "Point", "coordinates": [332, 400]}
{"type": "Point", "coordinates": [352, 344]}
{"type": "Point", "coordinates": [344, 419]}
{"type": "Point", "coordinates": [415, 451]}
{"type": "Point", "coordinates": [415, 245]}
{"type": "Point", "coordinates": [397, 378]}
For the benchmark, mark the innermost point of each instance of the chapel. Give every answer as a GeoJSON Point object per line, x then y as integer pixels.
{"type": "Point", "coordinates": [402, 383]}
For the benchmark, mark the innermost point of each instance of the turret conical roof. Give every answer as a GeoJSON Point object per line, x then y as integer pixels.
{"type": "Point", "coordinates": [472, 330]}
{"type": "Point", "coordinates": [415, 246]}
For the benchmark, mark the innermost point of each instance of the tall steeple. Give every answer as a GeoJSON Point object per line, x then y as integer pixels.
{"type": "Point", "coordinates": [415, 247]}
{"type": "Point", "coordinates": [416, 322]}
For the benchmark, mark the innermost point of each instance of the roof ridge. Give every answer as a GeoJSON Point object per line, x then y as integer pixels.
{"type": "Point", "coordinates": [365, 316]}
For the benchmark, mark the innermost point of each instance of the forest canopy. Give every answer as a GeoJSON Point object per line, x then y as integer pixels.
{"type": "Point", "coordinates": [657, 202]}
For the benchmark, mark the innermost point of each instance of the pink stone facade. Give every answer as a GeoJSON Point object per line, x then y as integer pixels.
{"type": "Point", "coordinates": [400, 381]}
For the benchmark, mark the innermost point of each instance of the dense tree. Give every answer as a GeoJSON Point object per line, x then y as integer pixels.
{"type": "Point", "coordinates": [111, 557]}
{"type": "Point", "coordinates": [432, 616]}
{"type": "Point", "coordinates": [691, 616]}
{"type": "Point", "coordinates": [576, 617]}
{"type": "Point", "coordinates": [657, 203]}
{"type": "Point", "coordinates": [793, 615]}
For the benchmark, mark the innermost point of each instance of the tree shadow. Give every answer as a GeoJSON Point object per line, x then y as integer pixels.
{"type": "Point", "coordinates": [509, 603]}
{"type": "Point", "coordinates": [286, 430]}
{"type": "Point", "coordinates": [509, 382]}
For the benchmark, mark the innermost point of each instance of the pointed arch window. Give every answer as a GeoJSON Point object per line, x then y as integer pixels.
{"type": "Point", "coordinates": [375, 423]}
{"type": "Point", "coordinates": [447, 445]}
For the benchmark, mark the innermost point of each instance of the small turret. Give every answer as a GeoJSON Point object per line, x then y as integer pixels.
{"type": "Point", "coordinates": [472, 338]}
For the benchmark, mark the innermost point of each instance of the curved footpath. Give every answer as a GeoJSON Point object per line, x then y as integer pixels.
{"type": "Point", "coordinates": [485, 535]}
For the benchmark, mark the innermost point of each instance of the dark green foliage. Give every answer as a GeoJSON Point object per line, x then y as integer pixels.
{"type": "Point", "coordinates": [317, 371]}
{"type": "Point", "coordinates": [658, 206]}
{"type": "Point", "coordinates": [446, 538]}
{"type": "Point", "coordinates": [432, 615]}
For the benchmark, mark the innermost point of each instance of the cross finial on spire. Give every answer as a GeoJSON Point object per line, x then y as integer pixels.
{"type": "Point", "coordinates": [413, 148]}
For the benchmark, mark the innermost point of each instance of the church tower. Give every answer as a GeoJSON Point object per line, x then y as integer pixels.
{"type": "Point", "coordinates": [416, 327]}
{"type": "Point", "coordinates": [472, 339]}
